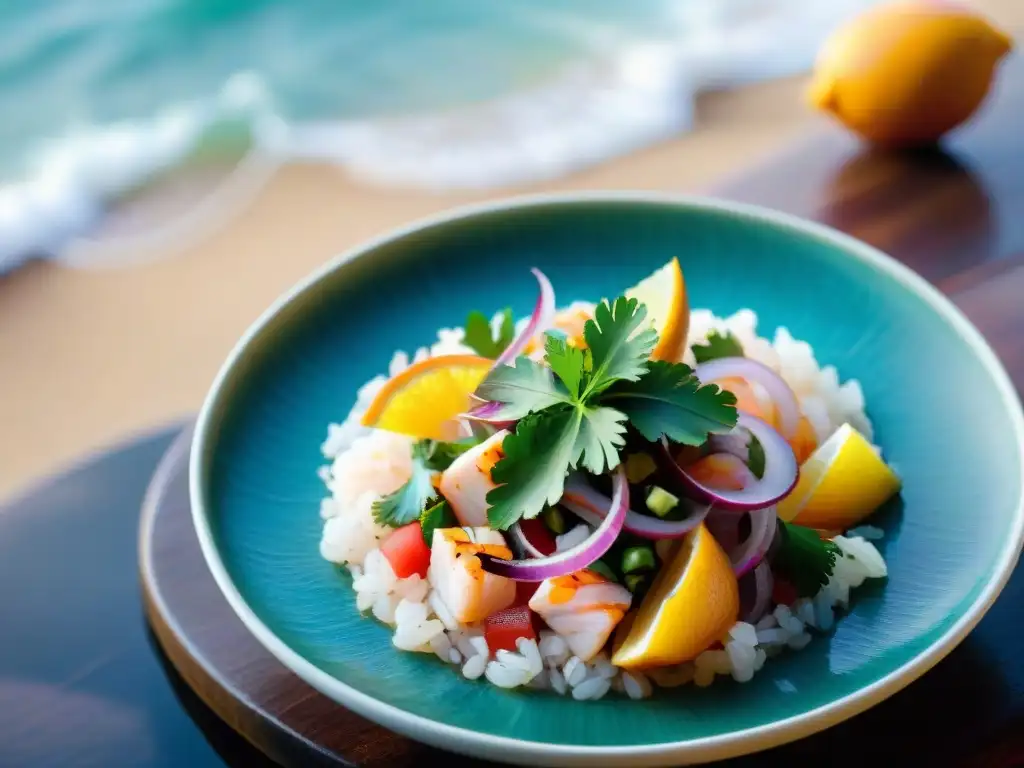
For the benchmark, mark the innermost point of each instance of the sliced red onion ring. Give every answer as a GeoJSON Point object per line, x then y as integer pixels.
{"type": "Point", "coordinates": [780, 472]}
{"type": "Point", "coordinates": [757, 373]}
{"type": "Point", "coordinates": [541, 319]}
{"type": "Point", "coordinates": [756, 593]}
{"type": "Point", "coordinates": [485, 414]}
{"type": "Point", "coordinates": [725, 527]}
{"type": "Point", "coordinates": [574, 558]}
{"type": "Point", "coordinates": [736, 443]}
{"type": "Point", "coordinates": [590, 506]}
{"type": "Point", "coordinates": [752, 550]}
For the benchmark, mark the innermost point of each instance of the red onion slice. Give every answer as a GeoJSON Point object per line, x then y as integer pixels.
{"type": "Point", "coordinates": [752, 550]}
{"type": "Point", "coordinates": [590, 506]}
{"type": "Point", "coordinates": [486, 414]}
{"type": "Point", "coordinates": [756, 593]}
{"type": "Point", "coordinates": [541, 319]}
{"type": "Point", "coordinates": [574, 558]}
{"type": "Point", "coordinates": [778, 391]}
{"type": "Point", "coordinates": [735, 443]}
{"type": "Point", "coordinates": [780, 472]}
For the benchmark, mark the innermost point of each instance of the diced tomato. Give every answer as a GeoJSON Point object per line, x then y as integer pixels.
{"type": "Point", "coordinates": [538, 534]}
{"type": "Point", "coordinates": [783, 593]}
{"type": "Point", "coordinates": [504, 628]}
{"type": "Point", "coordinates": [407, 552]}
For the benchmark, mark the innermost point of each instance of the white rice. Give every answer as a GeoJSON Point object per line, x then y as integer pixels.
{"type": "Point", "coordinates": [366, 463]}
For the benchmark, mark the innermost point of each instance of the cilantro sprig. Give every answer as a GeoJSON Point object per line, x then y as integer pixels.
{"type": "Point", "coordinates": [804, 559]}
{"type": "Point", "coordinates": [573, 411]}
{"type": "Point", "coordinates": [717, 345]}
{"type": "Point", "coordinates": [481, 338]}
{"type": "Point", "coordinates": [407, 503]}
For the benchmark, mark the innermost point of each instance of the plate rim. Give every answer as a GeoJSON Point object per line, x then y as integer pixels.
{"type": "Point", "coordinates": [707, 748]}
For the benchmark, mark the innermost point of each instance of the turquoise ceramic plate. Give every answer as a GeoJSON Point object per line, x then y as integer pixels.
{"type": "Point", "coordinates": [943, 407]}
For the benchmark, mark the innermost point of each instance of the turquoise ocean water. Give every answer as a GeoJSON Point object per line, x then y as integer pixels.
{"type": "Point", "coordinates": [98, 96]}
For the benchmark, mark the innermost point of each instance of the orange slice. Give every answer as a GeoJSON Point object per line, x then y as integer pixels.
{"type": "Point", "coordinates": [692, 604]}
{"type": "Point", "coordinates": [424, 400]}
{"type": "Point", "coordinates": [664, 295]}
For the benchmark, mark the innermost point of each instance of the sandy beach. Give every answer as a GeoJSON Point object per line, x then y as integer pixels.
{"type": "Point", "coordinates": [92, 356]}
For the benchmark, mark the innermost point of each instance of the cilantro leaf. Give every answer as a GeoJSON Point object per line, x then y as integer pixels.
{"type": "Point", "coordinates": [602, 432]}
{"type": "Point", "coordinates": [670, 401]}
{"type": "Point", "coordinates": [620, 343]}
{"type": "Point", "coordinates": [440, 515]}
{"type": "Point", "coordinates": [804, 559]}
{"type": "Point", "coordinates": [755, 457]}
{"type": "Point", "coordinates": [532, 472]}
{"type": "Point", "coordinates": [523, 388]}
{"type": "Point", "coordinates": [717, 346]}
{"type": "Point", "coordinates": [407, 503]}
{"type": "Point", "coordinates": [569, 363]}
{"type": "Point", "coordinates": [539, 455]}
{"type": "Point", "coordinates": [480, 334]}
{"type": "Point", "coordinates": [438, 456]}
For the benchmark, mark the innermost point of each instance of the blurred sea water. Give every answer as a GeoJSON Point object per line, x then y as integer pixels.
{"type": "Point", "coordinates": [102, 96]}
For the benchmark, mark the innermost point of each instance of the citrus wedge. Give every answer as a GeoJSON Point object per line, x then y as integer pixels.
{"type": "Point", "coordinates": [424, 400]}
{"type": "Point", "coordinates": [693, 603]}
{"type": "Point", "coordinates": [842, 482]}
{"type": "Point", "coordinates": [664, 295]}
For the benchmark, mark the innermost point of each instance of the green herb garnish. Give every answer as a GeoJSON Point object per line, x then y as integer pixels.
{"type": "Point", "coordinates": [670, 401]}
{"type": "Point", "coordinates": [439, 515]}
{"type": "Point", "coordinates": [755, 457]}
{"type": "Point", "coordinates": [480, 335]}
{"type": "Point", "coordinates": [717, 346]}
{"type": "Point", "coordinates": [407, 503]}
{"type": "Point", "coordinates": [804, 559]}
{"type": "Point", "coordinates": [573, 412]}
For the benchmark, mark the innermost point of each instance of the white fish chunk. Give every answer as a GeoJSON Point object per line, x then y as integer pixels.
{"type": "Point", "coordinates": [466, 483]}
{"type": "Point", "coordinates": [457, 576]}
{"type": "Point", "coordinates": [583, 608]}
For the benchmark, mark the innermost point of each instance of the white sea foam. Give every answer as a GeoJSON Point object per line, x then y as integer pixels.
{"type": "Point", "coordinates": [626, 94]}
{"type": "Point", "coordinates": [635, 94]}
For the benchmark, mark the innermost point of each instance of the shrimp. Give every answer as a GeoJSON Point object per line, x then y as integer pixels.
{"type": "Point", "coordinates": [583, 607]}
{"type": "Point", "coordinates": [466, 483]}
{"type": "Point", "coordinates": [458, 577]}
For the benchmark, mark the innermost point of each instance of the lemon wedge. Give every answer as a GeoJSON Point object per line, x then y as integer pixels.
{"type": "Point", "coordinates": [842, 482]}
{"type": "Point", "coordinates": [664, 295]}
{"type": "Point", "coordinates": [424, 400]}
{"type": "Point", "coordinates": [693, 602]}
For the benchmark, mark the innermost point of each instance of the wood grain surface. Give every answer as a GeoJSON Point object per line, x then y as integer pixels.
{"type": "Point", "coordinates": [955, 215]}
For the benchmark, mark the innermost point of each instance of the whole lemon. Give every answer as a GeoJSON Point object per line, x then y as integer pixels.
{"type": "Point", "coordinates": [906, 73]}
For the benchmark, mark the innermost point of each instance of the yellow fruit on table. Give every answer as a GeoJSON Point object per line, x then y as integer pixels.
{"type": "Point", "coordinates": [842, 483]}
{"type": "Point", "coordinates": [906, 73]}
{"type": "Point", "coordinates": [424, 400]}
{"type": "Point", "coordinates": [664, 295]}
{"type": "Point", "coordinates": [693, 603]}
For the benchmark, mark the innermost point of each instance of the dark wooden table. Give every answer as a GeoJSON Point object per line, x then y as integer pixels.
{"type": "Point", "coordinates": [83, 684]}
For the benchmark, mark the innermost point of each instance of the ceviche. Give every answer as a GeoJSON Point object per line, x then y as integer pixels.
{"type": "Point", "coordinates": [609, 496]}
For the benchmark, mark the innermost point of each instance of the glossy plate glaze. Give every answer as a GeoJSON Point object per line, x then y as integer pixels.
{"type": "Point", "coordinates": [944, 411]}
